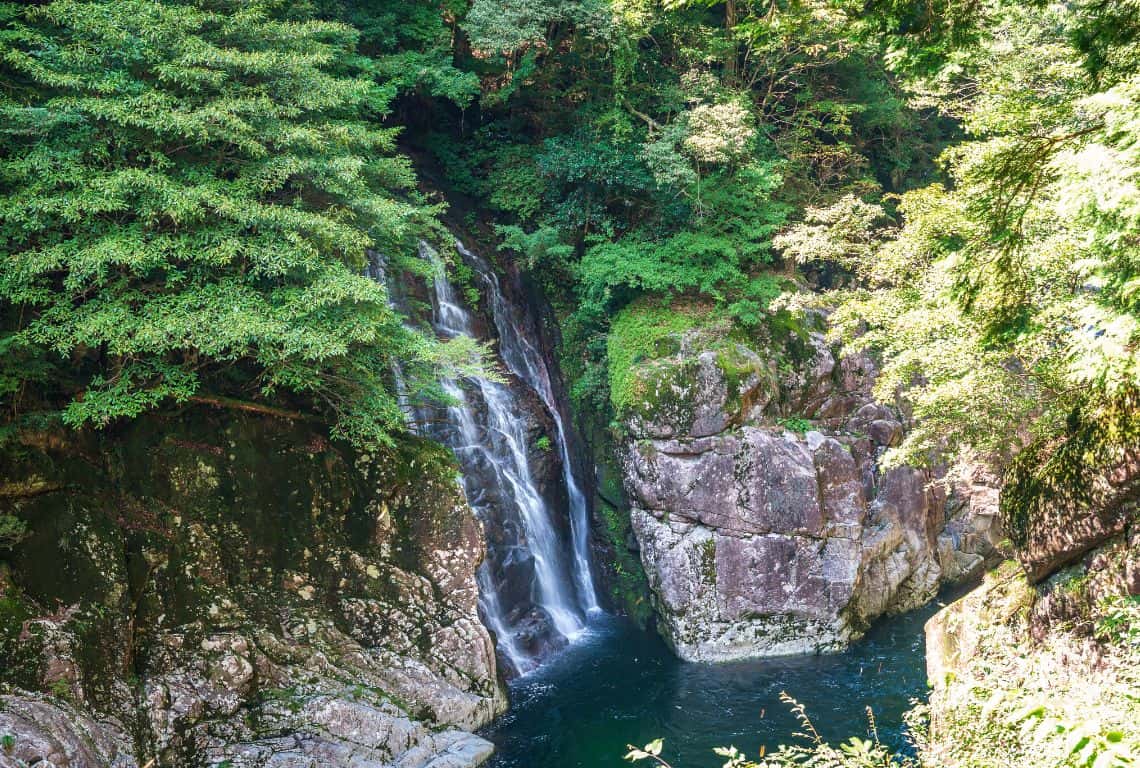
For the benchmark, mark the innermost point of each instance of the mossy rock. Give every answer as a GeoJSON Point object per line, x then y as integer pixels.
{"type": "Point", "coordinates": [664, 391]}
{"type": "Point", "coordinates": [625, 576]}
{"type": "Point", "coordinates": [21, 650]}
{"type": "Point", "coordinates": [643, 332]}
{"type": "Point", "coordinates": [658, 375]}
{"type": "Point", "coordinates": [214, 521]}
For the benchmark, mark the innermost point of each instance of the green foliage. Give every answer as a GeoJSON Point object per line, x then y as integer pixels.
{"type": "Point", "coordinates": [1005, 305]}
{"type": "Point", "coordinates": [715, 259]}
{"type": "Point", "coordinates": [639, 332]}
{"type": "Point", "coordinates": [625, 174]}
{"type": "Point", "coordinates": [843, 233]}
{"type": "Point", "coordinates": [515, 184]}
{"type": "Point", "coordinates": [1067, 699]}
{"type": "Point", "coordinates": [189, 192]}
{"type": "Point", "coordinates": [409, 45]}
{"type": "Point", "coordinates": [751, 307]}
{"type": "Point", "coordinates": [796, 424]}
{"type": "Point", "coordinates": [506, 27]}
{"type": "Point", "coordinates": [1038, 734]}
{"type": "Point", "coordinates": [12, 531]}
{"type": "Point", "coordinates": [1119, 621]}
{"type": "Point", "coordinates": [853, 753]}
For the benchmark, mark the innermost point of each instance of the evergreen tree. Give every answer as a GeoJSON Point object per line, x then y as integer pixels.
{"type": "Point", "coordinates": [189, 191]}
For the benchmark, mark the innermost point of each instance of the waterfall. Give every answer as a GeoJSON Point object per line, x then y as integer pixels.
{"type": "Point", "coordinates": [377, 269]}
{"type": "Point", "coordinates": [528, 364]}
{"type": "Point", "coordinates": [535, 585]}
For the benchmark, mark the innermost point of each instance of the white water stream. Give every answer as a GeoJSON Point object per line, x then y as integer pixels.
{"type": "Point", "coordinates": [526, 362]}
{"type": "Point", "coordinates": [487, 429]}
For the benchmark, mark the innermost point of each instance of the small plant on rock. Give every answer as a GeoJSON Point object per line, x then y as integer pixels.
{"type": "Point", "coordinates": [13, 530]}
{"type": "Point", "coordinates": [797, 424]}
{"type": "Point", "coordinates": [1120, 620]}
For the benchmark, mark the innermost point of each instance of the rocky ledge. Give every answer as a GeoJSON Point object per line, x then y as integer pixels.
{"type": "Point", "coordinates": [1028, 671]}
{"type": "Point", "coordinates": [235, 590]}
{"type": "Point", "coordinates": [764, 522]}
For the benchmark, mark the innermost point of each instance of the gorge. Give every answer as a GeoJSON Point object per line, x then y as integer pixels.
{"type": "Point", "coordinates": [370, 649]}
{"type": "Point", "coordinates": [568, 383]}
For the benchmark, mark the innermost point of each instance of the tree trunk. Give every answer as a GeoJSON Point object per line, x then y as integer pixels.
{"type": "Point", "coordinates": [730, 63]}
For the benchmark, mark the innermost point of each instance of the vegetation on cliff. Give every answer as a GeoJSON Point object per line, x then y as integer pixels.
{"type": "Point", "coordinates": [1005, 299]}
{"type": "Point", "coordinates": [191, 189]}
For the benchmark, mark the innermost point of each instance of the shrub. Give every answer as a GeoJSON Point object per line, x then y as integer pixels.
{"type": "Point", "coordinates": [853, 753]}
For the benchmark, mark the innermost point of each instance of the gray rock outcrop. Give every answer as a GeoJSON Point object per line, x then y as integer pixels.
{"type": "Point", "coordinates": [239, 591]}
{"type": "Point", "coordinates": [758, 540]}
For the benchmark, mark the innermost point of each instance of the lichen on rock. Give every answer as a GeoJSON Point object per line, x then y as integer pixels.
{"type": "Point", "coordinates": [240, 590]}
{"type": "Point", "coordinates": [764, 522]}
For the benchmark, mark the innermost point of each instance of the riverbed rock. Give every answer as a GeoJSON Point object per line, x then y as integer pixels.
{"type": "Point", "coordinates": [758, 540]}
{"type": "Point", "coordinates": [43, 731]}
{"type": "Point", "coordinates": [239, 590]}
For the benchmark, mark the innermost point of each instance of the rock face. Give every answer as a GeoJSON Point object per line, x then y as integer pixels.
{"type": "Point", "coordinates": [55, 733]}
{"type": "Point", "coordinates": [1061, 531]}
{"type": "Point", "coordinates": [232, 589]}
{"type": "Point", "coordinates": [1064, 650]}
{"type": "Point", "coordinates": [758, 540]}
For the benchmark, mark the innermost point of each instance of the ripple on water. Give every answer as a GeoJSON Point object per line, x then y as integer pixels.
{"type": "Point", "coordinates": [619, 685]}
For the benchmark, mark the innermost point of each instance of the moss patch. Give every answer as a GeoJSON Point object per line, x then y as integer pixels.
{"type": "Point", "coordinates": [650, 378]}
{"type": "Point", "coordinates": [628, 585]}
{"type": "Point", "coordinates": [643, 331]}
{"type": "Point", "coordinates": [20, 651]}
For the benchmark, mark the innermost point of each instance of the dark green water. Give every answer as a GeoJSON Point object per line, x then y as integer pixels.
{"type": "Point", "coordinates": [621, 685]}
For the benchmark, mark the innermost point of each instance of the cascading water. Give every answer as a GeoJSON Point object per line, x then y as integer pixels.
{"type": "Point", "coordinates": [535, 585]}
{"type": "Point", "coordinates": [526, 362]}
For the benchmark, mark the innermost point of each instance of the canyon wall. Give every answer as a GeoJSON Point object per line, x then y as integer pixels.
{"type": "Point", "coordinates": [1024, 674]}
{"type": "Point", "coordinates": [219, 587]}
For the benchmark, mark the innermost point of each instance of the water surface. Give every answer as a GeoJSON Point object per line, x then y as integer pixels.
{"type": "Point", "coordinates": [621, 685]}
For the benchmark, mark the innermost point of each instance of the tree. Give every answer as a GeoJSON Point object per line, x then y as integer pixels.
{"type": "Point", "coordinates": [1026, 258]}
{"type": "Point", "coordinates": [190, 188]}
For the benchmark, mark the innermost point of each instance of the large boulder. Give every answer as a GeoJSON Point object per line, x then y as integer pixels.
{"type": "Point", "coordinates": [762, 542]}
{"type": "Point", "coordinates": [758, 540]}
{"type": "Point", "coordinates": [40, 731]}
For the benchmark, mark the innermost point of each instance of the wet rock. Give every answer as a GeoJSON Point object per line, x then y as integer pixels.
{"type": "Point", "coordinates": [535, 635]}
{"type": "Point", "coordinates": [266, 597]}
